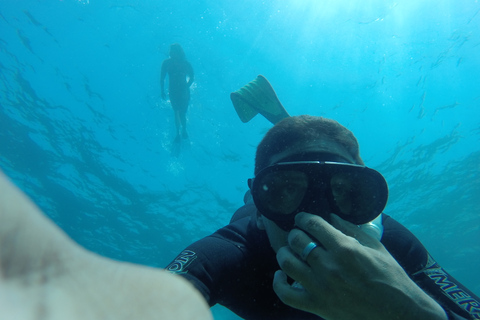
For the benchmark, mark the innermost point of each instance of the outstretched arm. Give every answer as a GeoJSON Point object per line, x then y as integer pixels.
{"type": "Point", "coordinates": [44, 274]}
{"type": "Point", "coordinates": [190, 74]}
{"type": "Point", "coordinates": [350, 275]}
{"type": "Point", "coordinates": [163, 74]}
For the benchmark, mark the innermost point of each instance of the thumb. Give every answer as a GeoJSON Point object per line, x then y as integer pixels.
{"type": "Point", "coordinates": [293, 295]}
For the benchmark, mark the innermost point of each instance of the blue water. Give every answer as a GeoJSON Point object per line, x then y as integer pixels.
{"type": "Point", "coordinates": [84, 132]}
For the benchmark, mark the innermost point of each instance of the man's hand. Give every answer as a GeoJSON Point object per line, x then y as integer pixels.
{"type": "Point", "coordinates": [349, 275]}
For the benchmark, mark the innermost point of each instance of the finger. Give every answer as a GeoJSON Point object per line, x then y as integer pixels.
{"type": "Point", "coordinates": [292, 296]}
{"type": "Point", "coordinates": [321, 230]}
{"type": "Point", "coordinates": [293, 266]}
{"type": "Point", "coordinates": [298, 241]}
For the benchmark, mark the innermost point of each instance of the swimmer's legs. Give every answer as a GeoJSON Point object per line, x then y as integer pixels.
{"type": "Point", "coordinates": [183, 120]}
{"type": "Point", "coordinates": [177, 124]}
{"type": "Point", "coordinates": [44, 274]}
{"type": "Point", "coordinates": [180, 125]}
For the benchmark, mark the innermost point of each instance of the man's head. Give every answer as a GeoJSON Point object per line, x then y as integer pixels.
{"type": "Point", "coordinates": [300, 135]}
{"type": "Point", "coordinates": [291, 176]}
{"type": "Point", "coordinates": [176, 51]}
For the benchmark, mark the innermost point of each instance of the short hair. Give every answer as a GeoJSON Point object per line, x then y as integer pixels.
{"type": "Point", "coordinates": [292, 130]}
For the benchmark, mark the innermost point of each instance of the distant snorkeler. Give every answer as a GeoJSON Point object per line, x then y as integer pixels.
{"type": "Point", "coordinates": [180, 73]}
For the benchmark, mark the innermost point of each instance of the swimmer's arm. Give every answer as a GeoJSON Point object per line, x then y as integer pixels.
{"type": "Point", "coordinates": [190, 74]}
{"type": "Point", "coordinates": [163, 74]}
{"type": "Point", "coordinates": [44, 274]}
{"type": "Point", "coordinates": [457, 300]}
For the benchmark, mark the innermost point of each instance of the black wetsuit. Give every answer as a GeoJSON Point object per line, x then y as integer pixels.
{"type": "Point", "coordinates": [234, 267]}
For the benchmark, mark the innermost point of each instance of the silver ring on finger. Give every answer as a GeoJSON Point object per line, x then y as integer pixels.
{"type": "Point", "coordinates": [308, 249]}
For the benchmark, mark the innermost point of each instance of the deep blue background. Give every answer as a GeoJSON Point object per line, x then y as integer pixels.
{"type": "Point", "coordinates": [84, 132]}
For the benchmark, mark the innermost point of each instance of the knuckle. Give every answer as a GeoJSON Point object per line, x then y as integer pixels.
{"type": "Point", "coordinates": [344, 251]}
{"type": "Point", "coordinates": [347, 254]}
{"type": "Point", "coordinates": [295, 238]}
{"type": "Point", "coordinates": [286, 264]}
{"type": "Point", "coordinates": [312, 223]}
{"type": "Point", "coordinates": [345, 248]}
{"type": "Point", "coordinates": [314, 259]}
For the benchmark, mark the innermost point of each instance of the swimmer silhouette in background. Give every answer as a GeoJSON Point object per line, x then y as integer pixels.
{"type": "Point", "coordinates": [180, 78]}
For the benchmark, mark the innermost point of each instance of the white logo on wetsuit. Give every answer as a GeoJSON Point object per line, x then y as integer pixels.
{"type": "Point", "coordinates": [451, 289]}
{"type": "Point", "coordinates": [183, 260]}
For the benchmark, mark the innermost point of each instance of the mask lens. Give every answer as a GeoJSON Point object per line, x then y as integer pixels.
{"type": "Point", "coordinates": [355, 193]}
{"type": "Point", "coordinates": [358, 196]}
{"type": "Point", "coordinates": [282, 192]}
{"type": "Point", "coordinates": [342, 187]}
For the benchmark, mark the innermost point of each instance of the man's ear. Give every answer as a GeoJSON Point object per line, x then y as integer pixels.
{"type": "Point", "coordinates": [260, 221]}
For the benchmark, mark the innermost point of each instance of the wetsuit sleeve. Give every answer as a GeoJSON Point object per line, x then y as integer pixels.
{"type": "Point", "coordinates": [209, 261]}
{"type": "Point", "coordinates": [457, 301]}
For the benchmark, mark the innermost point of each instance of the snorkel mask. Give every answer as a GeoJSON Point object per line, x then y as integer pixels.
{"type": "Point", "coordinates": [355, 193]}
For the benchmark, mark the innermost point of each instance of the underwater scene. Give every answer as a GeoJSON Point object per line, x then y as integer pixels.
{"type": "Point", "coordinates": [85, 132]}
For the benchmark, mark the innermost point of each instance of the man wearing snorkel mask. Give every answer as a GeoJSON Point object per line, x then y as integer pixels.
{"type": "Point", "coordinates": [312, 242]}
